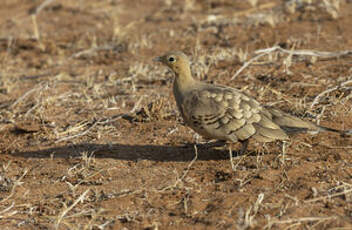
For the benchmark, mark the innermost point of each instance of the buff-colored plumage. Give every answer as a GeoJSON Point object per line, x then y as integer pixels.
{"type": "Point", "coordinates": [224, 113]}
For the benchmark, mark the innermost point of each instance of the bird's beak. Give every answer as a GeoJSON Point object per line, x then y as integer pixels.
{"type": "Point", "coordinates": [158, 59]}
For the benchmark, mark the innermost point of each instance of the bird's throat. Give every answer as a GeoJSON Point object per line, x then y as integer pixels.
{"type": "Point", "coordinates": [183, 80]}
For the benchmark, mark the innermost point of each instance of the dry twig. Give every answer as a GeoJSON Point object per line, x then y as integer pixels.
{"type": "Point", "coordinates": [317, 98]}
{"type": "Point", "coordinates": [328, 196]}
{"type": "Point", "coordinates": [15, 184]}
{"type": "Point", "coordinates": [39, 87]}
{"type": "Point", "coordinates": [246, 64]}
{"type": "Point", "coordinates": [102, 121]}
{"type": "Point", "coordinates": [302, 219]}
{"type": "Point", "coordinates": [36, 10]}
{"type": "Point", "coordinates": [5, 213]}
{"type": "Point", "coordinates": [314, 53]}
{"type": "Point", "coordinates": [179, 180]}
{"type": "Point", "coordinates": [65, 211]}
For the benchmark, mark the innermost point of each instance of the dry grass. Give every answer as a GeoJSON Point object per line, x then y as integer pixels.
{"type": "Point", "coordinates": [91, 138]}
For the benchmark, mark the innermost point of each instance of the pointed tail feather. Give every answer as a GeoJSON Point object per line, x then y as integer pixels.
{"type": "Point", "coordinates": [347, 132]}
{"type": "Point", "coordinates": [343, 133]}
{"type": "Point", "coordinates": [295, 130]}
{"type": "Point", "coordinates": [292, 125]}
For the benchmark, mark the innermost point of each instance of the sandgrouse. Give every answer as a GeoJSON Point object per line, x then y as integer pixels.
{"type": "Point", "coordinates": [227, 114]}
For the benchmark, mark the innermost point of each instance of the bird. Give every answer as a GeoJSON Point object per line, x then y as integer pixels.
{"type": "Point", "coordinates": [227, 114]}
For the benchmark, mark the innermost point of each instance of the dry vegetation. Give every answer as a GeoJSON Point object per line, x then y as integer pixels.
{"type": "Point", "coordinates": [90, 138]}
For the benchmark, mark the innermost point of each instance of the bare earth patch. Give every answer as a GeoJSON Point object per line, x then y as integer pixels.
{"type": "Point", "coordinates": [90, 135]}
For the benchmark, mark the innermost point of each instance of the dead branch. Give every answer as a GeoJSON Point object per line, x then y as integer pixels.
{"type": "Point", "coordinates": [313, 53]}
{"type": "Point", "coordinates": [317, 98]}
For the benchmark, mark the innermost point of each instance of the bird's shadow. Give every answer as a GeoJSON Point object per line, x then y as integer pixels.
{"type": "Point", "coordinates": [131, 152]}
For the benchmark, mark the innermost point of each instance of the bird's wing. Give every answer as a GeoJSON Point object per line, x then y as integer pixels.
{"type": "Point", "coordinates": [228, 114]}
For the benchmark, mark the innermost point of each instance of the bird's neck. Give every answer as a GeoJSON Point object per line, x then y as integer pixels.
{"type": "Point", "coordinates": [183, 79]}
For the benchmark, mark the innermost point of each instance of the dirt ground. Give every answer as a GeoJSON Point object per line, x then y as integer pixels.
{"type": "Point", "coordinates": [89, 133]}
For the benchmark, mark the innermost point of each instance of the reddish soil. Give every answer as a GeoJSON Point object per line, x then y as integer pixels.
{"type": "Point", "coordinates": [90, 137]}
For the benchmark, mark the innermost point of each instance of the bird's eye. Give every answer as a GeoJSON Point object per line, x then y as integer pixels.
{"type": "Point", "coordinates": [171, 59]}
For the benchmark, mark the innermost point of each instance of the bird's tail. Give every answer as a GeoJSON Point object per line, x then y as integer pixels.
{"type": "Point", "coordinates": [292, 125]}
{"type": "Point", "coordinates": [317, 129]}
{"type": "Point", "coordinates": [343, 133]}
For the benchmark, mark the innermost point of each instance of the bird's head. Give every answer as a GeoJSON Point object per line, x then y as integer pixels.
{"type": "Point", "coordinates": [176, 61]}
